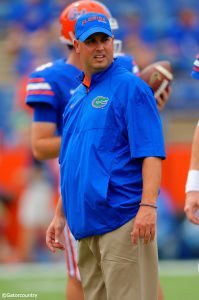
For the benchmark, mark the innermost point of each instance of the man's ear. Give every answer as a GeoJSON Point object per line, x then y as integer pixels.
{"type": "Point", "coordinates": [76, 46]}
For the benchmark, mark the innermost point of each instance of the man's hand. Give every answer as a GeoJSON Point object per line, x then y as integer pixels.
{"type": "Point", "coordinates": [54, 233]}
{"type": "Point", "coordinates": [163, 98]}
{"type": "Point", "coordinates": [144, 225]}
{"type": "Point", "coordinates": [192, 206]}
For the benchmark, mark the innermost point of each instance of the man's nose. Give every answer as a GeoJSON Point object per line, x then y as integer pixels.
{"type": "Point", "coordinates": [99, 46]}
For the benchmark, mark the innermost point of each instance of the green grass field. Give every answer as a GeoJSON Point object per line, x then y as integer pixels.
{"type": "Point", "coordinates": [180, 288]}
{"type": "Point", "coordinates": [180, 281]}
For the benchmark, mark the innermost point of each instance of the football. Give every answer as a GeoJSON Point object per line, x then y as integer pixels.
{"type": "Point", "coordinates": [158, 76]}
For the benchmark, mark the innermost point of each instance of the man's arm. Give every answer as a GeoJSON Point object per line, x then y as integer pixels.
{"type": "Point", "coordinates": [42, 97]}
{"type": "Point", "coordinates": [192, 185]}
{"type": "Point", "coordinates": [56, 228]}
{"type": "Point", "coordinates": [194, 165]}
{"type": "Point", "coordinates": [145, 220]}
{"type": "Point", "coordinates": [45, 145]}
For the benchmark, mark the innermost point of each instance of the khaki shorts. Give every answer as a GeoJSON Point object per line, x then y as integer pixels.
{"type": "Point", "coordinates": [111, 268]}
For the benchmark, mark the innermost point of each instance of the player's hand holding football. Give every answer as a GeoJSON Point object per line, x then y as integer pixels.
{"type": "Point", "coordinates": [144, 225]}
{"type": "Point", "coordinates": [163, 98]}
{"type": "Point", "coordinates": [159, 77]}
{"type": "Point", "coordinates": [54, 233]}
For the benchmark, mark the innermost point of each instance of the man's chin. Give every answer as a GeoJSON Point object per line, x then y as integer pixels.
{"type": "Point", "coordinates": [100, 65]}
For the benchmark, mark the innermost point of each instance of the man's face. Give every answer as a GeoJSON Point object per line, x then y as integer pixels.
{"type": "Point", "coordinates": [96, 52]}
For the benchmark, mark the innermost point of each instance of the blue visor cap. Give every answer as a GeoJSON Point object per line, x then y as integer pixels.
{"type": "Point", "coordinates": [91, 23]}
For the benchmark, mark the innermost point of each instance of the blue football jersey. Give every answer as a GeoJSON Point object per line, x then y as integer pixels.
{"type": "Point", "coordinates": [53, 84]}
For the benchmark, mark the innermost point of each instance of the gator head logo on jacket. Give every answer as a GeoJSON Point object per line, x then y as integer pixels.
{"type": "Point", "coordinates": [100, 102]}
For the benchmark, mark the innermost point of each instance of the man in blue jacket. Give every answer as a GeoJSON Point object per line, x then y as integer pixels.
{"type": "Point", "coordinates": [111, 153]}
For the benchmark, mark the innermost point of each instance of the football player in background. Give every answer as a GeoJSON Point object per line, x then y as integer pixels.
{"type": "Point", "coordinates": [192, 185]}
{"type": "Point", "coordinates": [49, 88]}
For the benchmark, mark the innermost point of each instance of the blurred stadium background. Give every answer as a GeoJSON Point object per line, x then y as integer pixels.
{"type": "Point", "coordinates": [29, 36]}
